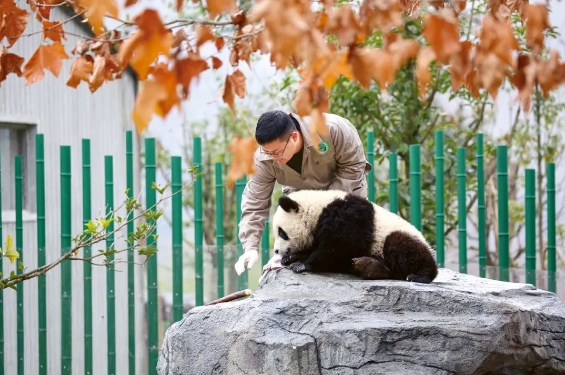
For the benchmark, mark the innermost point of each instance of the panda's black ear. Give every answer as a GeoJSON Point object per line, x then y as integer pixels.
{"type": "Point", "coordinates": [288, 204]}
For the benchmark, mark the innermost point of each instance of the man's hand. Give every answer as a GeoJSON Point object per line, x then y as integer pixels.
{"type": "Point", "coordinates": [248, 258]}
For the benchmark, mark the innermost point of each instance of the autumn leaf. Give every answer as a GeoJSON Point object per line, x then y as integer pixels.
{"type": "Point", "coordinates": [460, 65]}
{"type": "Point", "coordinates": [143, 47]}
{"type": "Point", "coordinates": [130, 3]}
{"type": "Point", "coordinates": [180, 4]}
{"type": "Point", "coordinates": [216, 63]}
{"type": "Point", "coordinates": [14, 22]}
{"type": "Point", "coordinates": [48, 57]}
{"type": "Point", "coordinates": [220, 43]}
{"type": "Point", "coordinates": [168, 80]}
{"type": "Point", "coordinates": [188, 69]}
{"type": "Point", "coordinates": [342, 22]}
{"type": "Point", "coordinates": [96, 10]}
{"type": "Point", "coordinates": [317, 126]}
{"type": "Point", "coordinates": [80, 71]}
{"type": "Point", "coordinates": [203, 34]}
{"type": "Point", "coordinates": [242, 150]}
{"type": "Point", "coordinates": [362, 64]}
{"type": "Point", "coordinates": [425, 57]}
{"type": "Point", "coordinates": [238, 80]}
{"type": "Point", "coordinates": [53, 31]}
{"type": "Point", "coordinates": [331, 67]}
{"type": "Point", "coordinates": [150, 94]}
{"type": "Point", "coordinates": [441, 30]}
{"type": "Point", "coordinates": [537, 20]}
{"type": "Point", "coordinates": [215, 7]}
{"type": "Point", "coordinates": [302, 102]}
{"type": "Point", "coordinates": [9, 63]}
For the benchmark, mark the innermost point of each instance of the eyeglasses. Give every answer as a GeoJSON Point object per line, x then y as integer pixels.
{"type": "Point", "coordinates": [277, 154]}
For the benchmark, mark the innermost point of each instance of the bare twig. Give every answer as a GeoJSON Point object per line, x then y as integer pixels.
{"type": "Point", "coordinates": [231, 297]}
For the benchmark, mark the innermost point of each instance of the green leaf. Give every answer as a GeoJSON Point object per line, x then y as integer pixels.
{"type": "Point", "coordinates": [148, 251]}
{"type": "Point", "coordinates": [21, 266]}
{"type": "Point", "coordinates": [105, 223]}
{"type": "Point", "coordinates": [156, 187]}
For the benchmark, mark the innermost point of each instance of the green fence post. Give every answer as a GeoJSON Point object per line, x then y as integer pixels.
{"type": "Point", "coordinates": [462, 209]}
{"type": "Point", "coordinates": [1, 270]}
{"type": "Point", "coordinates": [198, 224]}
{"type": "Point", "coordinates": [503, 235]}
{"type": "Point", "coordinates": [530, 197]}
{"type": "Point", "coordinates": [551, 230]}
{"type": "Point", "coordinates": [19, 248]}
{"type": "Point", "coordinates": [415, 187]}
{"type": "Point", "coordinates": [41, 260]}
{"type": "Point", "coordinates": [265, 244]}
{"type": "Point", "coordinates": [393, 183]}
{"type": "Point", "coordinates": [152, 288]}
{"type": "Point", "coordinates": [66, 271]}
{"type": "Point", "coordinates": [87, 267]}
{"type": "Point", "coordinates": [440, 205]}
{"type": "Point", "coordinates": [176, 187]}
{"type": "Point", "coordinates": [242, 280]}
{"type": "Point", "coordinates": [481, 206]}
{"type": "Point", "coordinates": [220, 228]}
{"type": "Point", "coordinates": [130, 257]}
{"type": "Point", "coordinates": [371, 160]}
{"type": "Point", "coordinates": [110, 277]}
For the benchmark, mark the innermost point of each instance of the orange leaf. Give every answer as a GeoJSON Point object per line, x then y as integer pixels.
{"type": "Point", "coordinates": [425, 57]}
{"type": "Point", "coordinates": [302, 102]}
{"type": "Point", "coordinates": [216, 63]}
{"type": "Point", "coordinates": [143, 48]}
{"type": "Point", "coordinates": [130, 3]}
{"type": "Point", "coordinates": [442, 32]}
{"type": "Point", "coordinates": [180, 4]}
{"type": "Point", "coordinates": [537, 20]}
{"type": "Point", "coordinates": [98, 73]}
{"type": "Point", "coordinates": [330, 68]}
{"type": "Point", "coordinates": [238, 80]}
{"type": "Point", "coordinates": [362, 62]}
{"type": "Point", "coordinates": [228, 94]}
{"type": "Point", "coordinates": [317, 126]}
{"type": "Point", "coordinates": [53, 31]}
{"type": "Point", "coordinates": [203, 34]}
{"type": "Point", "coordinates": [48, 57]}
{"type": "Point", "coordinates": [150, 94]}
{"type": "Point", "coordinates": [96, 10]}
{"type": "Point", "coordinates": [216, 7]}
{"type": "Point", "coordinates": [9, 63]}
{"type": "Point", "coordinates": [168, 79]}
{"type": "Point", "coordinates": [80, 71]}
{"type": "Point", "coordinates": [220, 43]}
{"type": "Point", "coordinates": [14, 22]}
{"type": "Point", "coordinates": [242, 150]}
{"type": "Point", "coordinates": [189, 68]}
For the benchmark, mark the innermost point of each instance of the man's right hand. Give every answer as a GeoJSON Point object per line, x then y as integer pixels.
{"type": "Point", "coordinates": [248, 258]}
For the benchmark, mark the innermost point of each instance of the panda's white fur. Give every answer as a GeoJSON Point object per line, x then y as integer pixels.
{"type": "Point", "coordinates": [294, 229]}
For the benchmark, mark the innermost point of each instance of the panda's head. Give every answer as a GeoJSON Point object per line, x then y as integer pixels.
{"type": "Point", "coordinates": [292, 235]}
{"type": "Point", "coordinates": [296, 217]}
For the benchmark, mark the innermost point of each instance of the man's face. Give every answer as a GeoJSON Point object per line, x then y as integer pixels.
{"type": "Point", "coordinates": [281, 151]}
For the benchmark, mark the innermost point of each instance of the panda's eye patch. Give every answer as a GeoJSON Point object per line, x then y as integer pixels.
{"type": "Point", "coordinates": [282, 234]}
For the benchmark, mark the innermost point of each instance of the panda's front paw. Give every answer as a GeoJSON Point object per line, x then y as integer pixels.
{"type": "Point", "coordinates": [287, 260]}
{"type": "Point", "coordinates": [300, 267]}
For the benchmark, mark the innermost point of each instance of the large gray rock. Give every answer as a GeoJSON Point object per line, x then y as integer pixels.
{"type": "Point", "coordinates": [338, 324]}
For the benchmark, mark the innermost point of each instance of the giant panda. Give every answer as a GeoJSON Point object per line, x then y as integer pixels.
{"type": "Point", "coordinates": [335, 231]}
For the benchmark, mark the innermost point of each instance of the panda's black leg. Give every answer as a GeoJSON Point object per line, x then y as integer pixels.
{"type": "Point", "coordinates": [287, 260]}
{"type": "Point", "coordinates": [370, 268]}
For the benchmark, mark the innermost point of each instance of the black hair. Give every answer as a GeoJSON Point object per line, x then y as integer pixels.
{"type": "Point", "coordinates": [273, 125]}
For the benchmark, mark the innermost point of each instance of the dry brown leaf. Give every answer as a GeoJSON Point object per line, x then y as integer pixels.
{"type": "Point", "coordinates": [441, 30]}
{"type": "Point", "coordinates": [497, 37]}
{"type": "Point", "coordinates": [238, 80]}
{"type": "Point", "coordinates": [53, 31]}
{"type": "Point", "coordinates": [168, 79]}
{"type": "Point", "coordinates": [216, 7]}
{"type": "Point", "coordinates": [188, 69]}
{"type": "Point", "coordinates": [48, 57]}
{"type": "Point", "coordinates": [80, 71]}
{"type": "Point", "coordinates": [10, 63]}
{"type": "Point", "coordinates": [14, 22]}
{"type": "Point", "coordinates": [220, 43]}
{"type": "Point", "coordinates": [317, 126]}
{"type": "Point", "coordinates": [179, 5]}
{"type": "Point", "coordinates": [425, 57]}
{"type": "Point", "coordinates": [98, 73]}
{"type": "Point", "coordinates": [537, 20]}
{"type": "Point", "coordinates": [96, 10]}
{"type": "Point", "coordinates": [203, 34]}
{"type": "Point", "coordinates": [302, 102]}
{"type": "Point", "coordinates": [130, 3]}
{"type": "Point", "coordinates": [460, 65]}
{"type": "Point", "coordinates": [150, 94]}
{"type": "Point", "coordinates": [342, 22]}
{"type": "Point", "coordinates": [216, 63]}
{"type": "Point", "coordinates": [242, 150]}
{"type": "Point", "coordinates": [362, 61]}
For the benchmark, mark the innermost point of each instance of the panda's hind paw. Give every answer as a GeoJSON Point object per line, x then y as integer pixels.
{"type": "Point", "coordinates": [418, 279]}
{"type": "Point", "coordinates": [300, 267]}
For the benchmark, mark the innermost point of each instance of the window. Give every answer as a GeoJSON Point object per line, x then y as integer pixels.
{"type": "Point", "coordinates": [17, 139]}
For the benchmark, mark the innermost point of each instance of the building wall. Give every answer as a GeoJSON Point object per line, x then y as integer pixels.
{"type": "Point", "coordinates": [65, 116]}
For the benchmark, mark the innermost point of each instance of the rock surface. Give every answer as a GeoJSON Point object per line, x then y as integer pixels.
{"type": "Point", "coordinates": [338, 324]}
